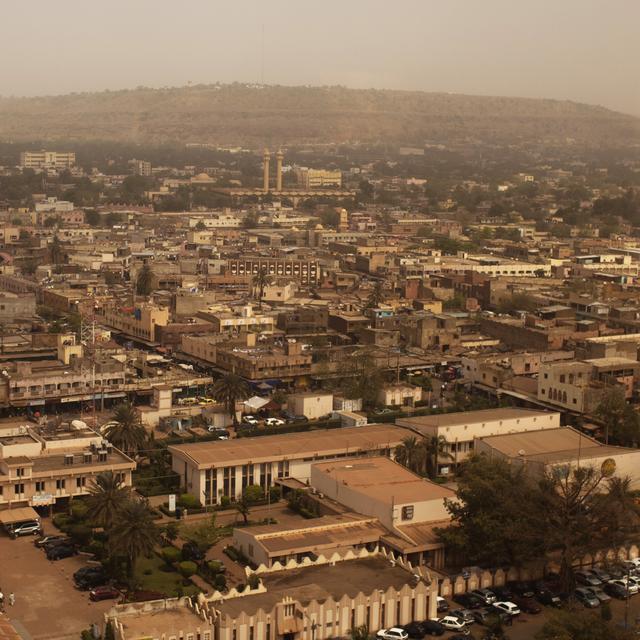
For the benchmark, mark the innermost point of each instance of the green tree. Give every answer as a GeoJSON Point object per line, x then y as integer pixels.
{"type": "Point", "coordinates": [243, 507]}
{"type": "Point", "coordinates": [260, 281]}
{"type": "Point", "coordinates": [488, 524]}
{"type": "Point", "coordinates": [200, 226]}
{"type": "Point", "coordinates": [228, 390]}
{"type": "Point", "coordinates": [144, 280]}
{"type": "Point", "coordinates": [126, 430]}
{"type": "Point", "coordinates": [107, 497]}
{"type": "Point", "coordinates": [376, 297]}
{"type": "Point", "coordinates": [621, 421]}
{"type": "Point", "coordinates": [188, 568]}
{"type": "Point", "coordinates": [92, 218]}
{"type": "Point", "coordinates": [134, 533]}
{"type": "Point", "coordinates": [409, 454]}
{"type": "Point", "coordinates": [253, 493]}
{"type": "Point", "coordinates": [435, 448]}
{"type": "Point", "coordinates": [360, 377]}
{"type": "Point", "coordinates": [577, 624]}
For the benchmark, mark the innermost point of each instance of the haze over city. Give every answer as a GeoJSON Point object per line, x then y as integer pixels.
{"type": "Point", "coordinates": [319, 321]}
{"type": "Point", "coordinates": [581, 50]}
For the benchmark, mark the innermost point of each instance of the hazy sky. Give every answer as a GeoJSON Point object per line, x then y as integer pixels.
{"type": "Point", "coordinates": [583, 50]}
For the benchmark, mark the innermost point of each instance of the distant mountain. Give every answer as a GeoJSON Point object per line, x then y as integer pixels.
{"type": "Point", "coordinates": [251, 115]}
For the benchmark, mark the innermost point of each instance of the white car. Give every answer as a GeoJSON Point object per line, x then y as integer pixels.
{"type": "Point", "coordinates": [633, 587]}
{"type": "Point", "coordinates": [507, 607]}
{"type": "Point", "coordinates": [274, 422]}
{"type": "Point", "coordinates": [392, 634]}
{"type": "Point", "coordinates": [452, 623]}
{"type": "Point", "coordinates": [250, 420]}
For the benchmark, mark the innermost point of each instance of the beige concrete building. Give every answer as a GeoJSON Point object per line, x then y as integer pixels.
{"type": "Point", "coordinates": [461, 430]}
{"type": "Point", "coordinates": [318, 178]}
{"type": "Point", "coordinates": [210, 470]}
{"type": "Point", "coordinates": [42, 465]}
{"type": "Point", "coordinates": [310, 405]}
{"type": "Point", "coordinates": [539, 451]}
{"type": "Point", "coordinates": [400, 395]}
{"type": "Point", "coordinates": [47, 159]}
{"type": "Point", "coordinates": [314, 603]}
{"type": "Point", "coordinates": [138, 322]}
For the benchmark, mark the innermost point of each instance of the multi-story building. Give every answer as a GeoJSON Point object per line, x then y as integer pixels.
{"type": "Point", "coordinates": [41, 465]}
{"type": "Point", "coordinates": [305, 271]}
{"type": "Point", "coordinates": [142, 168]}
{"type": "Point", "coordinates": [461, 430]}
{"type": "Point", "coordinates": [138, 322]}
{"type": "Point", "coordinates": [318, 178]}
{"type": "Point", "coordinates": [47, 159]}
{"type": "Point", "coordinates": [210, 470]}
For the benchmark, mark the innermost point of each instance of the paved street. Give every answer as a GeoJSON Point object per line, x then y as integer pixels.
{"type": "Point", "coordinates": [48, 606]}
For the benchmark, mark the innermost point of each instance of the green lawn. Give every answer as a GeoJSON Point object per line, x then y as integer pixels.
{"type": "Point", "coordinates": [167, 582]}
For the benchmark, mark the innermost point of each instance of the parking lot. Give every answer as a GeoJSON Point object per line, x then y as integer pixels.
{"type": "Point", "coordinates": [47, 603]}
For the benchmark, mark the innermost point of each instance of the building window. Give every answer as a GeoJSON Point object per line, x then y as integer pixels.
{"type": "Point", "coordinates": [407, 512]}
{"type": "Point", "coordinates": [19, 489]}
{"type": "Point", "coordinates": [80, 482]}
{"type": "Point", "coordinates": [61, 484]}
{"type": "Point", "coordinates": [40, 486]}
{"type": "Point", "coordinates": [20, 472]}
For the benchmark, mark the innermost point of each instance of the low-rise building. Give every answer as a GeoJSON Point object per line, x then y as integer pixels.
{"type": "Point", "coordinates": [41, 465]}
{"type": "Point", "coordinates": [310, 405]}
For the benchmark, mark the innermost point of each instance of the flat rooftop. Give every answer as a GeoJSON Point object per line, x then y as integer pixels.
{"type": "Point", "coordinates": [552, 445]}
{"type": "Point", "coordinates": [319, 583]}
{"type": "Point", "coordinates": [157, 624]}
{"type": "Point", "coordinates": [383, 479]}
{"type": "Point", "coordinates": [470, 417]}
{"type": "Point", "coordinates": [305, 444]}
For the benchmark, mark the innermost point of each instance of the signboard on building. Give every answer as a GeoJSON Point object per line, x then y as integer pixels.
{"type": "Point", "coordinates": [172, 502]}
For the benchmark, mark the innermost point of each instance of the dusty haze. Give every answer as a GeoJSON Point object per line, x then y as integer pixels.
{"type": "Point", "coordinates": [583, 50]}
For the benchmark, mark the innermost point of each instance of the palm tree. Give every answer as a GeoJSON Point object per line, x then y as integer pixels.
{"type": "Point", "coordinates": [126, 431]}
{"type": "Point", "coordinates": [261, 280]}
{"type": "Point", "coordinates": [434, 448]}
{"type": "Point", "coordinates": [228, 390]}
{"type": "Point", "coordinates": [134, 533]}
{"type": "Point", "coordinates": [144, 281]}
{"type": "Point", "coordinates": [107, 497]}
{"type": "Point", "coordinates": [408, 453]}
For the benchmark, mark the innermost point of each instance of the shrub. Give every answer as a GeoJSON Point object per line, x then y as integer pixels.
{"type": "Point", "coordinates": [171, 530]}
{"type": "Point", "coordinates": [253, 493]}
{"type": "Point", "coordinates": [275, 494]}
{"type": "Point", "coordinates": [187, 568]}
{"type": "Point", "coordinates": [220, 582]}
{"type": "Point", "coordinates": [78, 510]}
{"type": "Point", "coordinates": [170, 555]}
{"type": "Point", "coordinates": [241, 587]}
{"type": "Point", "coordinates": [231, 553]}
{"type": "Point", "coordinates": [253, 581]}
{"type": "Point", "coordinates": [187, 501]}
{"type": "Point", "coordinates": [225, 501]}
{"type": "Point", "coordinates": [215, 566]}
{"type": "Point", "coordinates": [61, 521]}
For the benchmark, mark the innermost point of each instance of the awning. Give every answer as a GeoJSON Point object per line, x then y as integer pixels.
{"type": "Point", "coordinates": [21, 514]}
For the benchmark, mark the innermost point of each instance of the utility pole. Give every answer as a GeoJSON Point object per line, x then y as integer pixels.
{"type": "Point", "coordinates": [88, 341]}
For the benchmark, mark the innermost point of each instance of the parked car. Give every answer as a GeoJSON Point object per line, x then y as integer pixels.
{"type": "Point", "coordinates": [274, 422]}
{"type": "Point", "coordinates": [45, 540]}
{"type": "Point", "coordinates": [415, 630]}
{"type": "Point", "coordinates": [60, 551]}
{"type": "Point", "coordinates": [507, 607]}
{"type": "Point", "coordinates": [587, 579]}
{"type": "Point", "coordinates": [395, 633]}
{"type": "Point", "coordinates": [527, 605]}
{"type": "Point", "coordinates": [89, 577]}
{"type": "Point", "coordinates": [600, 594]}
{"type": "Point", "coordinates": [616, 589]}
{"type": "Point", "coordinates": [486, 615]}
{"type": "Point", "coordinates": [548, 598]}
{"type": "Point", "coordinates": [452, 623]}
{"type": "Point", "coordinates": [629, 586]}
{"type": "Point", "coordinates": [442, 604]}
{"type": "Point", "coordinates": [601, 574]}
{"type": "Point", "coordinates": [503, 593]}
{"type": "Point", "coordinates": [29, 528]}
{"type": "Point", "coordinates": [432, 628]}
{"type": "Point", "coordinates": [486, 595]}
{"type": "Point", "coordinates": [586, 597]}
{"type": "Point", "coordinates": [466, 615]}
{"type": "Point", "coordinates": [250, 420]}
{"type": "Point", "coordinates": [522, 588]}
{"type": "Point", "coordinates": [468, 600]}
{"type": "Point", "coordinates": [103, 593]}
